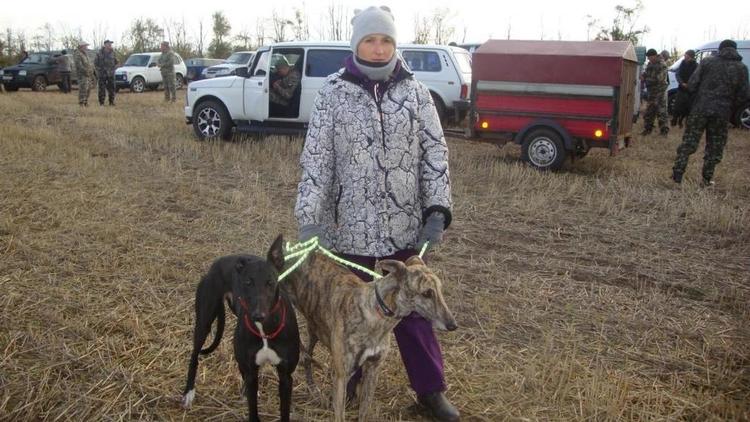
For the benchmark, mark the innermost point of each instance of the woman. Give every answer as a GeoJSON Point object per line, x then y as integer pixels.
{"type": "Point", "coordinates": [375, 180]}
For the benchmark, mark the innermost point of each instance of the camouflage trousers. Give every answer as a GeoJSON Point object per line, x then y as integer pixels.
{"type": "Point", "coordinates": [170, 86]}
{"type": "Point", "coordinates": [716, 128]}
{"type": "Point", "coordinates": [656, 106]}
{"type": "Point", "coordinates": [84, 89]}
{"type": "Point", "coordinates": [106, 82]}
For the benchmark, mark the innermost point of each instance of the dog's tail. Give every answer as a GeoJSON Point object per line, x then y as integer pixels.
{"type": "Point", "coordinates": [219, 332]}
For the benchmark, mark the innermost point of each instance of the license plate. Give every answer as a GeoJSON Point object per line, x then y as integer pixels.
{"type": "Point", "coordinates": [7, 77]}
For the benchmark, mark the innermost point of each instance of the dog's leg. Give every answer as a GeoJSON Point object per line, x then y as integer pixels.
{"type": "Point", "coordinates": [368, 383]}
{"type": "Point", "coordinates": [250, 374]}
{"type": "Point", "coordinates": [307, 362]}
{"type": "Point", "coordinates": [340, 371]}
{"type": "Point", "coordinates": [285, 391]}
{"type": "Point", "coordinates": [205, 313]}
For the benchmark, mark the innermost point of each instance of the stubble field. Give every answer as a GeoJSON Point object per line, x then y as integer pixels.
{"type": "Point", "coordinates": [603, 292]}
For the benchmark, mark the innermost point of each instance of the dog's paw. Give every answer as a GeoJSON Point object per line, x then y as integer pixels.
{"type": "Point", "coordinates": [187, 399]}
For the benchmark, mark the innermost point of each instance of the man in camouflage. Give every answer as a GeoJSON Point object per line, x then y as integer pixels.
{"type": "Point", "coordinates": [105, 63]}
{"type": "Point", "coordinates": [166, 64]}
{"type": "Point", "coordinates": [655, 77]}
{"type": "Point", "coordinates": [718, 83]}
{"type": "Point", "coordinates": [84, 71]}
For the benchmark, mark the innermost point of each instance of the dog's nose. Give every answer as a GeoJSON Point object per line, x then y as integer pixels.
{"type": "Point", "coordinates": [452, 326]}
{"type": "Point", "coordinates": [258, 316]}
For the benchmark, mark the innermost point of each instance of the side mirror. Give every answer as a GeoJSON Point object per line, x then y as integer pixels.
{"type": "Point", "coordinates": [260, 72]}
{"type": "Point", "coordinates": [152, 65]}
{"type": "Point", "coordinates": [241, 72]}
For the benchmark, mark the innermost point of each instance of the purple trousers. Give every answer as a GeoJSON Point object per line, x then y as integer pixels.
{"type": "Point", "coordinates": [417, 343]}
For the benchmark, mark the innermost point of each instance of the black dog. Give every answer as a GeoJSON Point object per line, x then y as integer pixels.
{"type": "Point", "coordinates": [266, 332]}
{"type": "Point", "coordinates": [248, 284]}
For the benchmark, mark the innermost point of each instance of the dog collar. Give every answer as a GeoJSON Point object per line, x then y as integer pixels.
{"type": "Point", "coordinates": [383, 309]}
{"type": "Point", "coordinates": [255, 331]}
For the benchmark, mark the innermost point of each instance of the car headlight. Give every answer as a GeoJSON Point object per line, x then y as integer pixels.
{"type": "Point", "coordinates": [204, 72]}
{"type": "Point", "coordinates": [21, 73]}
{"type": "Point", "coordinates": [2, 72]}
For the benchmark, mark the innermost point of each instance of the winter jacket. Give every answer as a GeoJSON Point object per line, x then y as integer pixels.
{"type": "Point", "coordinates": [105, 62]}
{"type": "Point", "coordinates": [685, 71]}
{"type": "Point", "coordinates": [655, 77]}
{"type": "Point", "coordinates": [720, 83]}
{"type": "Point", "coordinates": [82, 64]}
{"type": "Point", "coordinates": [374, 164]}
{"type": "Point", "coordinates": [166, 62]}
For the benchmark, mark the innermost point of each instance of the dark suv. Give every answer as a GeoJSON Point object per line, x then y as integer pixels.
{"type": "Point", "coordinates": [36, 72]}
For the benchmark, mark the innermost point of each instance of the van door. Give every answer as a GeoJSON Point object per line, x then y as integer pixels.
{"type": "Point", "coordinates": [153, 74]}
{"type": "Point", "coordinates": [435, 70]}
{"type": "Point", "coordinates": [320, 64]}
{"type": "Point", "coordinates": [285, 82]}
{"type": "Point", "coordinates": [255, 99]}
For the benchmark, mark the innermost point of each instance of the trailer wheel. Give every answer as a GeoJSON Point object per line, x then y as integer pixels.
{"type": "Point", "coordinates": [543, 149]}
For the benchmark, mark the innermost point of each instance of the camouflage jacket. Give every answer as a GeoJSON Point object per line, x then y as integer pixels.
{"type": "Point", "coordinates": [105, 62]}
{"type": "Point", "coordinates": [283, 89]}
{"type": "Point", "coordinates": [167, 61]}
{"type": "Point", "coordinates": [655, 76]}
{"type": "Point", "coordinates": [82, 64]}
{"type": "Point", "coordinates": [720, 83]}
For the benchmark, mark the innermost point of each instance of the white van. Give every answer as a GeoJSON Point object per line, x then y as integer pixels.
{"type": "Point", "coordinates": [217, 106]}
{"type": "Point", "coordinates": [140, 71]}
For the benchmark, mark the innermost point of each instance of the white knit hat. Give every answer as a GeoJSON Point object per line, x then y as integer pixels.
{"type": "Point", "coordinates": [373, 20]}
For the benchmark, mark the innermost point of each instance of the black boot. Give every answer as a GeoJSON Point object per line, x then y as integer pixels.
{"type": "Point", "coordinates": [439, 407]}
{"type": "Point", "coordinates": [676, 176]}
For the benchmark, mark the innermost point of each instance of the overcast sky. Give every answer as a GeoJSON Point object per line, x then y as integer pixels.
{"type": "Point", "coordinates": [671, 24]}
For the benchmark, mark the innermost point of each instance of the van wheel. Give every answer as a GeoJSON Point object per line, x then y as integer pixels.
{"type": "Point", "coordinates": [211, 121]}
{"type": "Point", "coordinates": [439, 106]}
{"type": "Point", "coordinates": [543, 149]}
{"type": "Point", "coordinates": [179, 81]}
{"type": "Point", "coordinates": [39, 83]}
{"type": "Point", "coordinates": [137, 85]}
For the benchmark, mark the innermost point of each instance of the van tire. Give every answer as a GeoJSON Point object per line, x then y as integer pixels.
{"type": "Point", "coordinates": [439, 106]}
{"type": "Point", "coordinates": [743, 117]}
{"type": "Point", "coordinates": [543, 149]}
{"type": "Point", "coordinates": [211, 120]}
{"type": "Point", "coordinates": [179, 81]}
{"type": "Point", "coordinates": [137, 85]}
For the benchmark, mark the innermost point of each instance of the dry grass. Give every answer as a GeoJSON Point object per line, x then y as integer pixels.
{"type": "Point", "coordinates": [599, 293]}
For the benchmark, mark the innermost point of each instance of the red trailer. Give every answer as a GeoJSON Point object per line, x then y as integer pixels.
{"type": "Point", "coordinates": [554, 98]}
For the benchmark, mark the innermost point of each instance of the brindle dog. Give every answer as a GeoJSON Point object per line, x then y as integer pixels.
{"type": "Point", "coordinates": [354, 319]}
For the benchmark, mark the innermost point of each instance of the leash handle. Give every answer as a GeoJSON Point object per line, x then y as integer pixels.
{"type": "Point", "coordinates": [424, 248]}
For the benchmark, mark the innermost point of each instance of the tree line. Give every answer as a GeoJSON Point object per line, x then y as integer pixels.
{"type": "Point", "coordinates": [215, 38]}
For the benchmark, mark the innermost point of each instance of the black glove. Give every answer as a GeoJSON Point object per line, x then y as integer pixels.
{"type": "Point", "coordinates": [309, 231]}
{"type": "Point", "coordinates": [432, 231]}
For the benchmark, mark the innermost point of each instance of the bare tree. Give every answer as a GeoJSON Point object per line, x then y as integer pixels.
{"type": "Point", "coordinates": [260, 32]}
{"type": "Point", "coordinates": [243, 40]}
{"type": "Point", "coordinates": [219, 46]}
{"type": "Point", "coordinates": [279, 25]}
{"type": "Point", "coordinates": [624, 25]}
{"type": "Point", "coordinates": [99, 34]}
{"type": "Point", "coordinates": [338, 25]}
{"type": "Point", "coordinates": [421, 30]}
{"type": "Point", "coordinates": [300, 25]}
{"type": "Point", "coordinates": [508, 31]}
{"type": "Point", "coordinates": [200, 39]}
{"type": "Point", "coordinates": [176, 33]}
{"type": "Point", "coordinates": [441, 25]}
{"type": "Point", "coordinates": [144, 35]}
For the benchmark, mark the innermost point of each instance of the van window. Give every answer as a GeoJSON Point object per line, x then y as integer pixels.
{"type": "Point", "coordinates": [464, 61]}
{"type": "Point", "coordinates": [261, 64]}
{"type": "Point", "coordinates": [321, 63]}
{"type": "Point", "coordinates": [422, 61]}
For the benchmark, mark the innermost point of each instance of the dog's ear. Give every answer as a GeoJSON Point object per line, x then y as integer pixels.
{"type": "Point", "coordinates": [276, 253]}
{"type": "Point", "coordinates": [414, 260]}
{"type": "Point", "coordinates": [392, 266]}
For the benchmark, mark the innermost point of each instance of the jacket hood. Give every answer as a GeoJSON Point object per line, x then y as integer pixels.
{"type": "Point", "coordinates": [729, 53]}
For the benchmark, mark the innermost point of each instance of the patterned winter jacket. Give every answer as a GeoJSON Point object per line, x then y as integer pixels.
{"type": "Point", "coordinates": [655, 77]}
{"type": "Point", "coordinates": [374, 164]}
{"type": "Point", "coordinates": [719, 83]}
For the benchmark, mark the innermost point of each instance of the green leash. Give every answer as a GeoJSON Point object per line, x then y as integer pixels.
{"type": "Point", "coordinates": [304, 249]}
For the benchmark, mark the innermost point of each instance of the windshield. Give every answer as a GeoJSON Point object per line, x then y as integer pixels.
{"type": "Point", "coordinates": [239, 58]}
{"type": "Point", "coordinates": [137, 60]}
{"type": "Point", "coordinates": [35, 58]}
{"type": "Point", "coordinates": [464, 61]}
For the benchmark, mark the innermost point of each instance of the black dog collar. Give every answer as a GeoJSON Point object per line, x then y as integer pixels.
{"type": "Point", "coordinates": [383, 307]}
